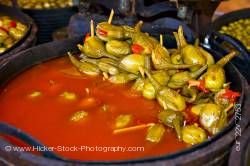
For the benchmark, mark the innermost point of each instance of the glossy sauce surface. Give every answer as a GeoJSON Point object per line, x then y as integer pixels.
{"type": "Point", "coordinates": [47, 117]}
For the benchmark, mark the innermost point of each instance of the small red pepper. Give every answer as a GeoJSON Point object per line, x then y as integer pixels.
{"type": "Point", "coordinates": [137, 49]}
{"type": "Point", "coordinates": [199, 84]}
{"type": "Point", "coordinates": [229, 94]}
{"type": "Point", "coordinates": [102, 32]}
{"type": "Point", "coordinates": [4, 29]}
{"type": "Point", "coordinates": [86, 37]}
{"type": "Point", "coordinates": [12, 24]}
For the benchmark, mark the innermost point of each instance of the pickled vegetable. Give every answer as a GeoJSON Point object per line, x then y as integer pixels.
{"type": "Point", "coordinates": [190, 54]}
{"type": "Point", "coordinates": [103, 66]}
{"type": "Point", "coordinates": [139, 84]}
{"type": "Point", "coordinates": [155, 133]}
{"type": "Point", "coordinates": [84, 67]}
{"type": "Point", "coordinates": [186, 81]}
{"type": "Point", "coordinates": [68, 96]}
{"type": "Point", "coordinates": [196, 109]}
{"type": "Point", "coordinates": [77, 116]}
{"type": "Point", "coordinates": [123, 121]}
{"type": "Point", "coordinates": [240, 30]}
{"type": "Point", "coordinates": [149, 91]}
{"type": "Point", "coordinates": [172, 119]}
{"type": "Point", "coordinates": [118, 48]}
{"type": "Point", "coordinates": [166, 97]}
{"type": "Point", "coordinates": [192, 134]}
{"type": "Point", "coordinates": [35, 94]}
{"type": "Point", "coordinates": [122, 78]}
{"type": "Point", "coordinates": [209, 116]}
{"type": "Point", "coordinates": [178, 80]}
{"type": "Point", "coordinates": [215, 76]}
{"type": "Point", "coordinates": [132, 63]}
{"type": "Point", "coordinates": [40, 4]}
{"type": "Point", "coordinates": [11, 31]}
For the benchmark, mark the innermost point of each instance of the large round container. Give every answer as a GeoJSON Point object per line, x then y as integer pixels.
{"type": "Point", "coordinates": [213, 152]}
{"type": "Point", "coordinates": [48, 20]}
{"type": "Point", "coordinates": [28, 39]}
{"type": "Point", "coordinates": [243, 62]}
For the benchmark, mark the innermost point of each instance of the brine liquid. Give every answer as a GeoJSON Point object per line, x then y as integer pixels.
{"type": "Point", "coordinates": [47, 117]}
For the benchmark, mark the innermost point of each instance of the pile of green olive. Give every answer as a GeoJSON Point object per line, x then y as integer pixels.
{"type": "Point", "coordinates": [11, 31]}
{"type": "Point", "coordinates": [41, 4]}
{"type": "Point", "coordinates": [184, 80]}
{"type": "Point", "coordinates": [6, 2]}
{"type": "Point", "coordinates": [240, 30]}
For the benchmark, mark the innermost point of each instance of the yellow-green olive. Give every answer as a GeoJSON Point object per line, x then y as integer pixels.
{"type": "Point", "coordinates": [192, 134]}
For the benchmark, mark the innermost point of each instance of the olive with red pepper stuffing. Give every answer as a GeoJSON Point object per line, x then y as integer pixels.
{"type": "Point", "coordinates": [11, 31]}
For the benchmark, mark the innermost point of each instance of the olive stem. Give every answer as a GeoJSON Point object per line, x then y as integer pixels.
{"type": "Point", "coordinates": [93, 61]}
{"type": "Point", "coordinates": [155, 83]}
{"type": "Point", "coordinates": [197, 73]}
{"type": "Point", "coordinates": [177, 128]}
{"type": "Point", "coordinates": [167, 65]}
{"type": "Point", "coordinates": [177, 40]}
{"type": "Point", "coordinates": [74, 60]}
{"type": "Point", "coordinates": [138, 26]}
{"type": "Point", "coordinates": [111, 56]}
{"type": "Point", "coordinates": [229, 107]}
{"type": "Point", "coordinates": [223, 61]}
{"type": "Point", "coordinates": [147, 62]}
{"type": "Point", "coordinates": [197, 42]}
{"type": "Point", "coordinates": [142, 71]}
{"type": "Point", "coordinates": [182, 39]}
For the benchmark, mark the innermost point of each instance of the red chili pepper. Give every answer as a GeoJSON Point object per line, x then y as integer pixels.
{"type": "Point", "coordinates": [102, 32]}
{"type": "Point", "coordinates": [4, 29]}
{"type": "Point", "coordinates": [86, 37]}
{"type": "Point", "coordinates": [202, 86]}
{"type": "Point", "coordinates": [12, 24]}
{"type": "Point", "coordinates": [199, 84]}
{"type": "Point", "coordinates": [137, 49]}
{"type": "Point", "coordinates": [229, 94]}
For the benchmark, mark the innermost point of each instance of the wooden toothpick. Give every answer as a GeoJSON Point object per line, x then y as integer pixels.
{"type": "Point", "coordinates": [161, 39]}
{"type": "Point", "coordinates": [92, 31]}
{"type": "Point", "coordinates": [133, 128]}
{"type": "Point", "coordinates": [111, 16]}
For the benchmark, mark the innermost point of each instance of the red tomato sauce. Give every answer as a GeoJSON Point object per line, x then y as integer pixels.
{"type": "Point", "coordinates": [47, 117]}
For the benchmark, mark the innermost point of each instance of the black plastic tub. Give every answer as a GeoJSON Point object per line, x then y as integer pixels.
{"type": "Point", "coordinates": [229, 17]}
{"type": "Point", "coordinates": [243, 62]}
{"type": "Point", "coordinates": [213, 152]}
{"type": "Point", "coordinates": [49, 20]}
{"type": "Point", "coordinates": [28, 39]}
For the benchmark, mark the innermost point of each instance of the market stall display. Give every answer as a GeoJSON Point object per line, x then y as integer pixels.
{"type": "Point", "coordinates": [240, 30]}
{"type": "Point", "coordinates": [174, 97]}
{"type": "Point", "coordinates": [11, 31]}
{"type": "Point", "coordinates": [108, 98]}
{"type": "Point", "coordinates": [18, 31]}
{"type": "Point", "coordinates": [40, 4]}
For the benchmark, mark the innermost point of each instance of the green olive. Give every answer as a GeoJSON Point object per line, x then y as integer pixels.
{"type": "Point", "coordinates": [11, 31]}
{"type": "Point", "coordinates": [44, 4]}
{"type": "Point", "coordinates": [118, 48]}
{"type": "Point", "coordinates": [209, 116]}
{"type": "Point", "coordinates": [240, 30]}
{"type": "Point", "coordinates": [192, 134]}
{"type": "Point", "coordinates": [148, 90]}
